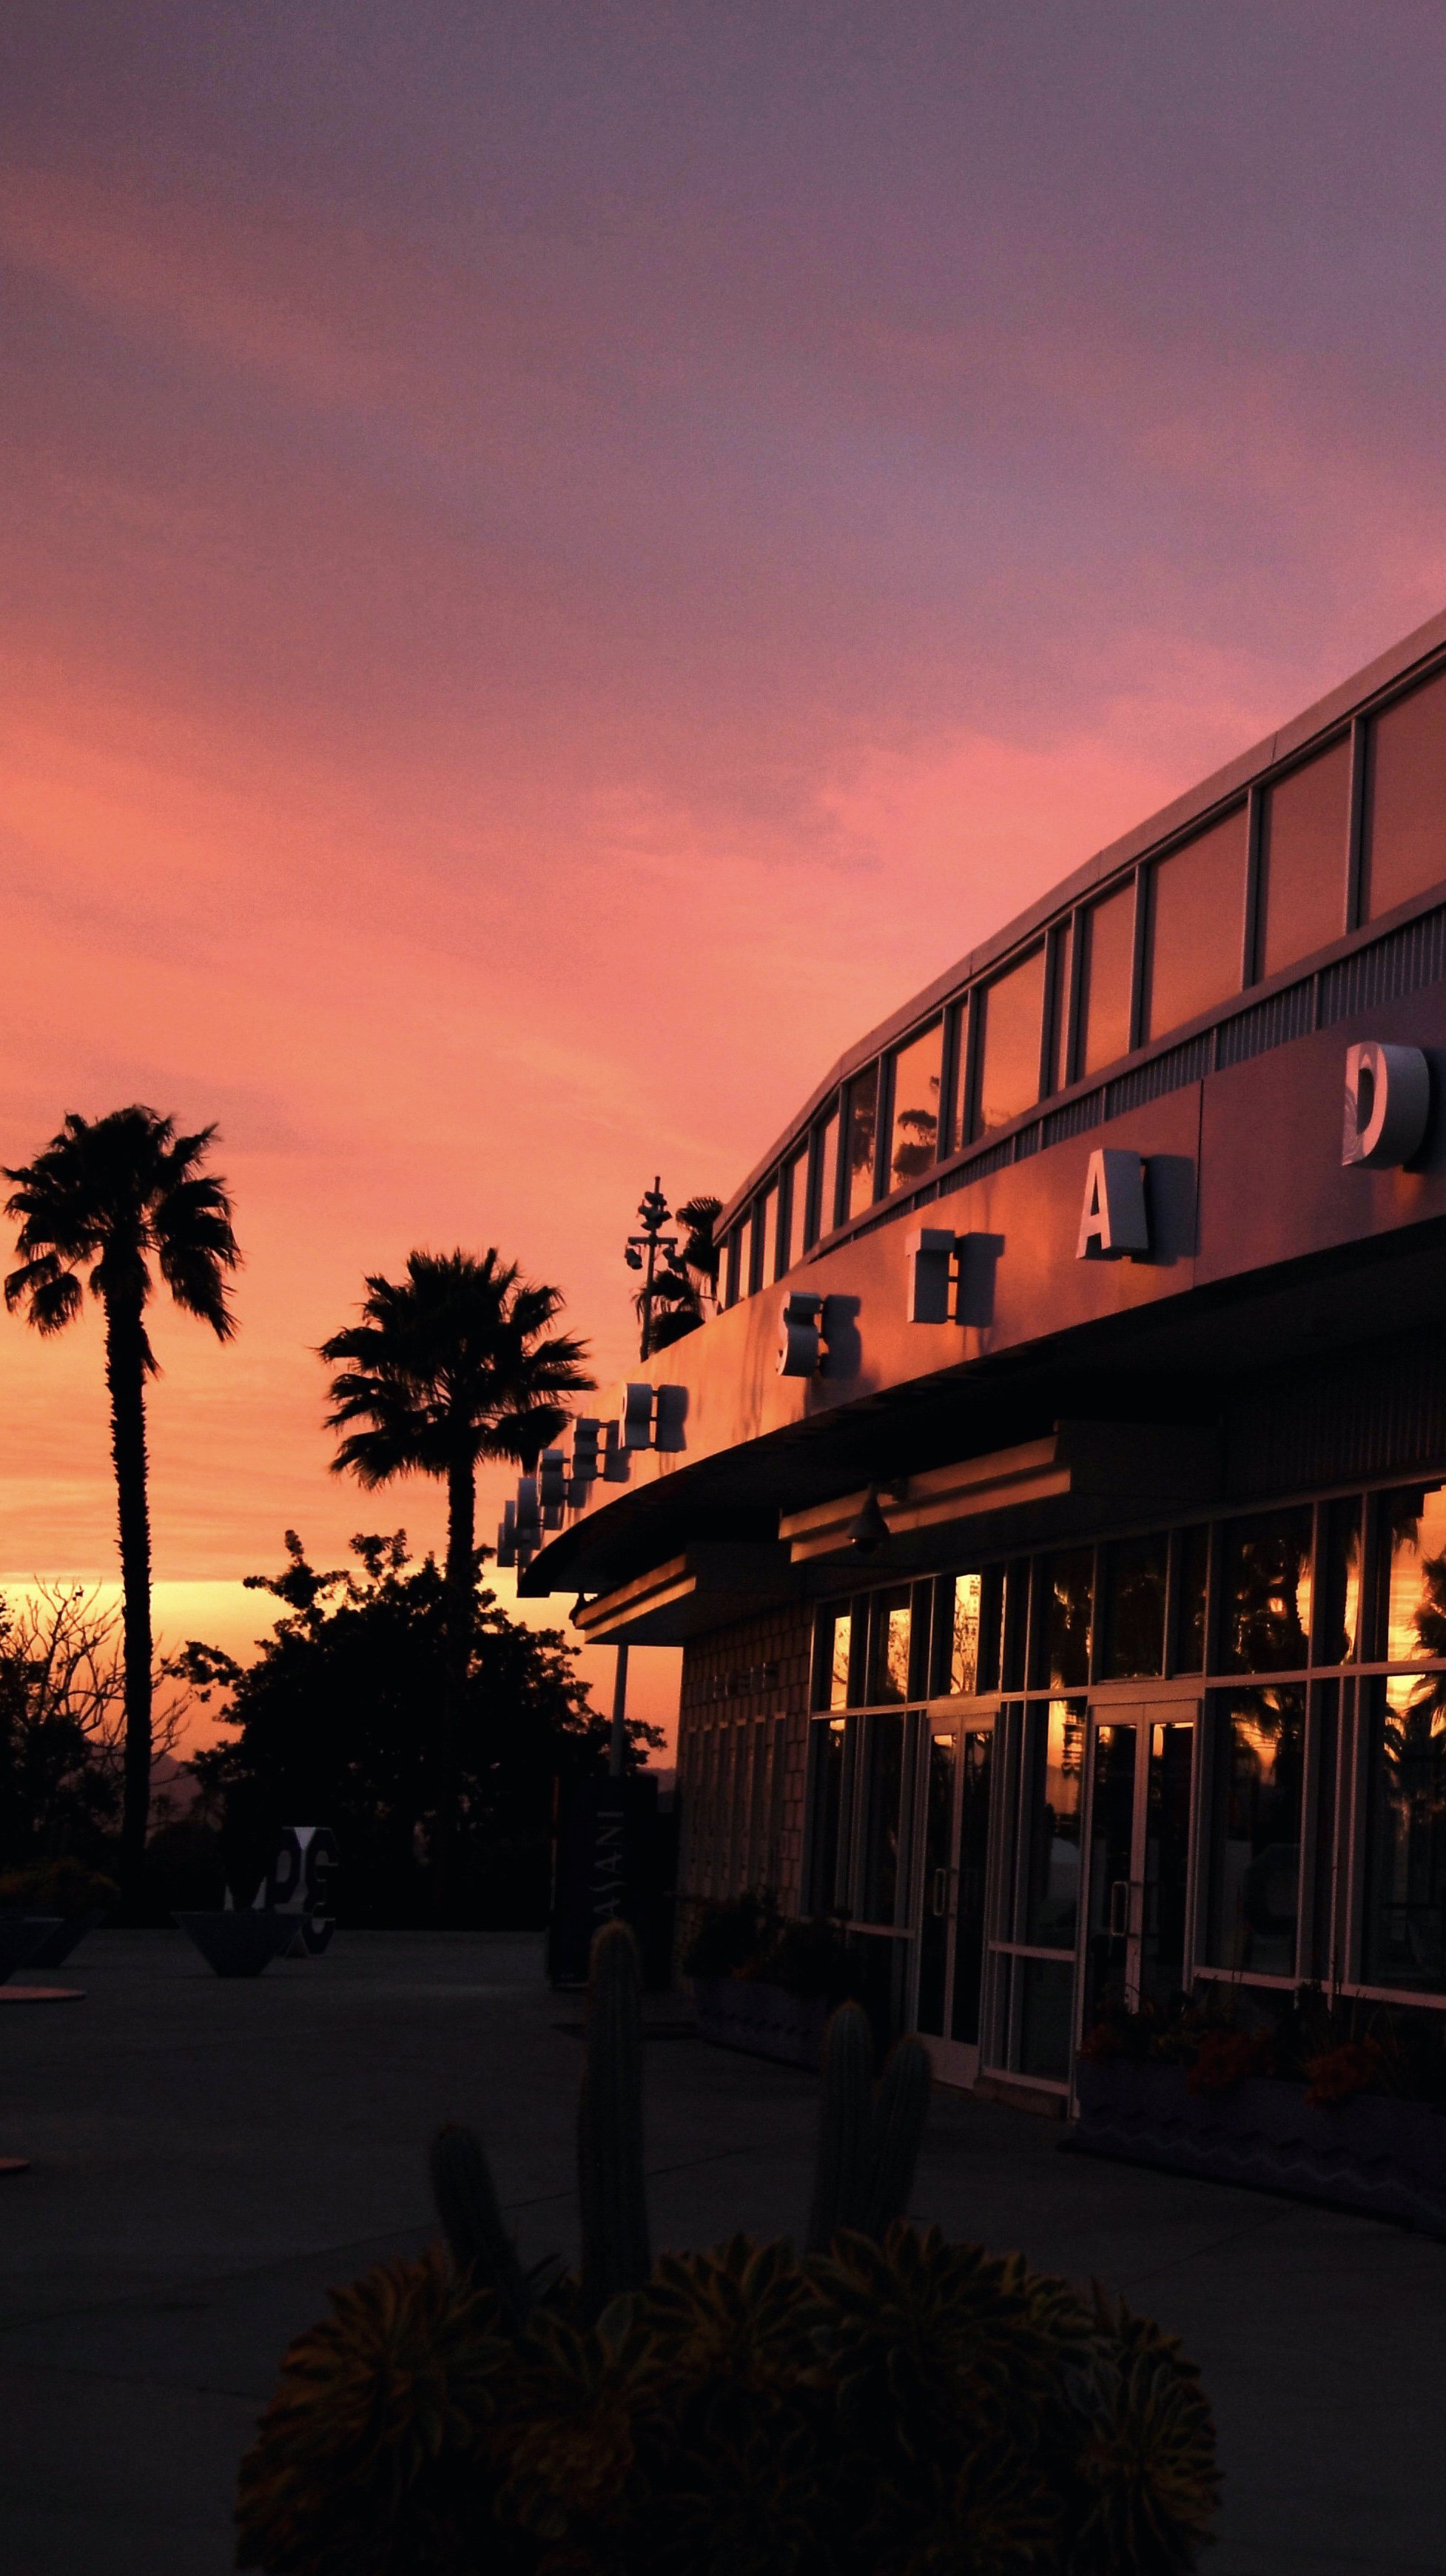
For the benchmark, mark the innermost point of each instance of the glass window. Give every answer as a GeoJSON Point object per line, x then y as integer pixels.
{"type": "Point", "coordinates": [883, 1792]}
{"type": "Point", "coordinates": [829, 1735]}
{"type": "Point", "coordinates": [1406, 799]}
{"type": "Point", "coordinates": [1054, 1757]}
{"type": "Point", "coordinates": [1303, 859]}
{"type": "Point", "coordinates": [1405, 1942]}
{"type": "Point", "coordinates": [1260, 1751]}
{"type": "Point", "coordinates": [1413, 1530]}
{"type": "Point", "coordinates": [795, 1210]}
{"type": "Point", "coordinates": [1065, 1615]}
{"type": "Point", "coordinates": [1341, 1582]}
{"type": "Point", "coordinates": [1267, 1593]}
{"type": "Point", "coordinates": [892, 1628]}
{"type": "Point", "coordinates": [1012, 1030]}
{"type": "Point", "coordinates": [966, 1601]}
{"type": "Point", "coordinates": [1135, 1608]}
{"type": "Point", "coordinates": [918, 1068]}
{"type": "Point", "coordinates": [1044, 1989]}
{"type": "Point", "coordinates": [862, 1114]}
{"type": "Point", "coordinates": [732, 1268]}
{"type": "Point", "coordinates": [836, 1648]}
{"type": "Point", "coordinates": [1109, 968]}
{"type": "Point", "coordinates": [1197, 925]}
{"type": "Point", "coordinates": [765, 1239]}
{"type": "Point", "coordinates": [1192, 1562]}
{"type": "Point", "coordinates": [826, 1212]}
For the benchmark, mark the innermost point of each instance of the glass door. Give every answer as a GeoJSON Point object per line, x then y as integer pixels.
{"type": "Point", "coordinates": [1142, 1768]}
{"type": "Point", "coordinates": [954, 1849]}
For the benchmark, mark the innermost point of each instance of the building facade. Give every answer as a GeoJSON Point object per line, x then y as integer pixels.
{"type": "Point", "coordinates": [1053, 1516]}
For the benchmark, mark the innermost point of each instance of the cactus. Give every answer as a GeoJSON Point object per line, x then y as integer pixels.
{"type": "Point", "coordinates": [467, 2206]}
{"type": "Point", "coordinates": [897, 2135]}
{"type": "Point", "coordinates": [612, 2184]}
{"type": "Point", "coordinates": [842, 2175]}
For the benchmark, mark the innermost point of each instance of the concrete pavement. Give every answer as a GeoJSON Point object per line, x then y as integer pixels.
{"type": "Point", "coordinates": [207, 2157]}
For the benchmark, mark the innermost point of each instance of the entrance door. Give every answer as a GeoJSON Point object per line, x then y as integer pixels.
{"type": "Point", "coordinates": [1141, 1771]}
{"type": "Point", "coordinates": [955, 1849]}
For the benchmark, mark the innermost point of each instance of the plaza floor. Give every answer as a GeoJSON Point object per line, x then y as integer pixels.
{"type": "Point", "coordinates": [206, 2158]}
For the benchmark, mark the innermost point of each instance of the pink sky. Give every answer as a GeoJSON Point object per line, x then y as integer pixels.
{"type": "Point", "coordinates": [557, 563]}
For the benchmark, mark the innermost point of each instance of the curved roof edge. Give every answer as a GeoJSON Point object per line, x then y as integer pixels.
{"type": "Point", "coordinates": [1389, 667]}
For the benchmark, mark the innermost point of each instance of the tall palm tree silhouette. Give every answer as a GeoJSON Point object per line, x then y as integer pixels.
{"type": "Point", "coordinates": [109, 1196]}
{"type": "Point", "coordinates": [448, 1366]}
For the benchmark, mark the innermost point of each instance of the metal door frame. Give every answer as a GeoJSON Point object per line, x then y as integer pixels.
{"type": "Point", "coordinates": [954, 2061]}
{"type": "Point", "coordinates": [1140, 1708]}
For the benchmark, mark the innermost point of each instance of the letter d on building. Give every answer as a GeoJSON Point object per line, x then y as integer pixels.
{"type": "Point", "coordinates": [1113, 1219]}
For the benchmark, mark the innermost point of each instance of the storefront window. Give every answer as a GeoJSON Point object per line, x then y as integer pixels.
{"type": "Point", "coordinates": [1341, 1582]}
{"type": "Point", "coordinates": [965, 1605]}
{"type": "Point", "coordinates": [1406, 799]}
{"type": "Point", "coordinates": [838, 1633]}
{"type": "Point", "coordinates": [1303, 859]}
{"type": "Point", "coordinates": [1065, 1614]}
{"type": "Point", "coordinates": [892, 1631]}
{"type": "Point", "coordinates": [826, 1792]}
{"type": "Point", "coordinates": [1135, 1608]}
{"type": "Point", "coordinates": [1193, 1563]}
{"type": "Point", "coordinates": [1405, 1941]}
{"type": "Point", "coordinates": [884, 1789]}
{"type": "Point", "coordinates": [1267, 1593]}
{"type": "Point", "coordinates": [1012, 1035]}
{"type": "Point", "coordinates": [862, 1118]}
{"type": "Point", "coordinates": [1054, 1772]}
{"type": "Point", "coordinates": [1197, 925]}
{"type": "Point", "coordinates": [1256, 1879]}
{"type": "Point", "coordinates": [1045, 1992]}
{"type": "Point", "coordinates": [914, 1145]}
{"type": "Point", "coordinates": [1413, 1534]}
{"type": "Point", "coordinates": [1109, 972]}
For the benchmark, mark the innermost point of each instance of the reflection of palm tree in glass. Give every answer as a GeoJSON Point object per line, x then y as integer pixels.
{"type": "Point", "coordinates": [917, 1155]}
{"type": "Point", "coordinates": [1271, 1571]}
{"type": "Point", "coordinates": [1413, 1762]}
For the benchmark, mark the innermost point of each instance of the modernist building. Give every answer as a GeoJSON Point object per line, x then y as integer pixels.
{"type": "Point", "coordinates": [1054, 1516]}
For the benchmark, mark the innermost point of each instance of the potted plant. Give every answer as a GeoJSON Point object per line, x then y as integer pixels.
{"type": "Point", "coordinates": [879, 2400]}
{"type": "Point", "coordinates": [765, 1982]}
{"type": "Point", "coordinates": [1341, 2103]}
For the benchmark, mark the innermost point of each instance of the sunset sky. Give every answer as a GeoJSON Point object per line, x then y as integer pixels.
{"type": "Point", "coordinates": [559, 560]}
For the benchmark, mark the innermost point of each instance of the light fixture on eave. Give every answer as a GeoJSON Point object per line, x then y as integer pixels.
{"type": "Point", "coordinates": [868, 1529]}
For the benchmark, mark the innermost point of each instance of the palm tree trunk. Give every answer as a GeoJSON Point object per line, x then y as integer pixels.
{"type": "Point", "coordinates": [461, 1551]}
{"type": "Point", "coordinates": [125, 1383]}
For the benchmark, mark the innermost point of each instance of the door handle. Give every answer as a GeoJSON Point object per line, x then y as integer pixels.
{"type": "Point", "coordinates": [1119, 1913]}
{"type": "Point", "coordinates": [940, 1898]}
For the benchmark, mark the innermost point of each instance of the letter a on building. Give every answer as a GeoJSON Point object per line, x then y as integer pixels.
{"type": "Point", "coordinates": [1113, 1218]}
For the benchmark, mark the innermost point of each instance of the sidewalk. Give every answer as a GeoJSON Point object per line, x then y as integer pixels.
{"type": "Point", "coordinates": [208, 2157]}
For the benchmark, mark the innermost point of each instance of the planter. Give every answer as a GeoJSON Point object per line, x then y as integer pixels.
{"type": "Point", "coordinates": [241, 1941]}
{"type": "Point", "coordinates": [1383, 2157]}
{"type": "Point", "coordinates": [23, 1937]}
{"type": "Point", "coordinates": [59, 1936]}
{"type": "Point", "coordinates": [765, 2021]}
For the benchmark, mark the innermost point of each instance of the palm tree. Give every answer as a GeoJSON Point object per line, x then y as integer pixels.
{"type": "Point", "coordinates": [108, 1196]}
{"type": "Point", "coordinates": [451, 1365]}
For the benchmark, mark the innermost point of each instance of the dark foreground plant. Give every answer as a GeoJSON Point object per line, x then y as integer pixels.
{"type": "Point", "coordinates": [887, 2404]}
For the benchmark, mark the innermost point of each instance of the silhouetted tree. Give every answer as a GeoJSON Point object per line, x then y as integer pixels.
{"type": "Point", "coordinates": [108, 1196]}
{"type": "Point", "coordinates": [338, 1721]}
{"type": "Point", "coordinates": [451, 1365]}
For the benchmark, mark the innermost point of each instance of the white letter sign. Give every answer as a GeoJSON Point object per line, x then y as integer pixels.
{"type": "Point", "coordinates": [1113, 1219]}
{"type": "Point", "coordinates": [1388, 1102]}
